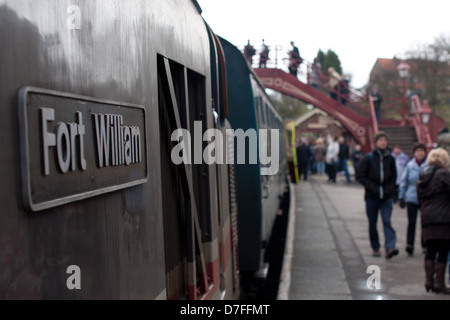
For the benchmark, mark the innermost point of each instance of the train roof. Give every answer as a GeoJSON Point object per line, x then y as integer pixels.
{"type": "Point", "coordinates": [250, 70]}
{"type": "Point", "coordinates": [197, 6]}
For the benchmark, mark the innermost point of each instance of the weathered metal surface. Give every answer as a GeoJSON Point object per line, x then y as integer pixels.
{"type": "Point", "coordinates": [105, 50]}
{"type": "Point", "coordinates": [75, 147]}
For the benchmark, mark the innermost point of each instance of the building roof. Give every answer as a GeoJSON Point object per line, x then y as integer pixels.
{"type": "Point", "coordinates": [388, 64]}
{"type": "Point", "coordinates": [315, 112]}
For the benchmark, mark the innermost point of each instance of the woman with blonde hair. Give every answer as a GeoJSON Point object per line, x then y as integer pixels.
{"type": "Point", "coordinates": [433, 191]}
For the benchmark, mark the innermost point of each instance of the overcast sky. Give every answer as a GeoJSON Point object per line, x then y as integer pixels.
{"type": "Point", "coordinates": [358, 31]}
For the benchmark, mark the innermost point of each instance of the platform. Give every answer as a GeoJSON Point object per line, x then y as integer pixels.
{"type": "Point", "coordinates": [328, 250]}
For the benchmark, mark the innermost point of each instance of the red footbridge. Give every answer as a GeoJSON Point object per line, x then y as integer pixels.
{"type": "Point", "coordinates": [358, 113]}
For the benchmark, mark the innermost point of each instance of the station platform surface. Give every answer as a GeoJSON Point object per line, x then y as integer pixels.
{"type": "Point", "coordinates": [328, 252]}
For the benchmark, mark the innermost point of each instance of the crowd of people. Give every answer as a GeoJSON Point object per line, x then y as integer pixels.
{"type": "Point", "coordinates": [329, 155]}
{"type": "Point", "coordinates": [421, 185]}
{"type": "Point", "coordinates": [337, 85]}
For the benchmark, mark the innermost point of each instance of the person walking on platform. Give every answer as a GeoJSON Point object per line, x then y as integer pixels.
{"type": "Point", "coordinates": [401, 160]}
{"type": "Point", "coordinates": [377, 173]}
{"type": "Point", "coordinates": [433, 191]}
{"type": "Point", "coordinates": [320, 157]}
{"type": "Point", "coordinates": [408, 192]}
{"type": "Point", "coordinates": [357, 156]}
{"type": "Point", "coordinates": [332, 158]}
{"type": "Point", "coordinates": [344, 155]}
{"type": "Point", "coordinates": [303, 157]}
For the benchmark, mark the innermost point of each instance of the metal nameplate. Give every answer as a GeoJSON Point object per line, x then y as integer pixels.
{"type": "Point", "coordinates": [75, 147]}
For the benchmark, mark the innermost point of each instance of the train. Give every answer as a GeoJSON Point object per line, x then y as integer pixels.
{"type": "Point", "coordinates": [251, 109]}
{"type": "Point", "coordinates": [128, 163]}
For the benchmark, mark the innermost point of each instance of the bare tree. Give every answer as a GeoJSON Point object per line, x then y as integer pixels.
{"type": "Point", "coordinates": [432, 69]}
{"type": "Point", "coordinates": [429, 77]}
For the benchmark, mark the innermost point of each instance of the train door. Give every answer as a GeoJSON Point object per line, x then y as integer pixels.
{"type": "Point", "coordinates": [185, 187]}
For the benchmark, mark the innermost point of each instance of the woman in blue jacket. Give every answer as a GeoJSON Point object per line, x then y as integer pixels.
{"type": "Point", "coordinates": [408, 192]}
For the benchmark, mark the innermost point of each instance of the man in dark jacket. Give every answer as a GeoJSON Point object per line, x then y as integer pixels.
{"type": "Point", "coordinates": [377, 173]}
{"type": "Point", "coordinates": [303, 156]}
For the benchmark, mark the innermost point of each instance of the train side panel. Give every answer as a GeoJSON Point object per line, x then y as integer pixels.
{"type": "Point", "coordinates": [272, 187]}
{"type": "Point", "coordinates": [258, 196]}
{"type": "Point", "coordinates": [248, 184]}
{"type": "Point", "coordinates": [108, 51]}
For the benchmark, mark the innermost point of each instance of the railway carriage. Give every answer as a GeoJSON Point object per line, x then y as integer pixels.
{"type": "Point", "coordinates": [93, 204]}
{"type": "Point", "coordinates": [258, 195]}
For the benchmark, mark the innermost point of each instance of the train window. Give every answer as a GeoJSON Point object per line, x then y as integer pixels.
{"type": "Point", "coordinates": [270, 112]}
{"type": "Point", "coordinates": [196, 91]}
{"type": "Point", "coordinates": [267, 113]}
{"type": "Point", "coordinates": [260, 112]}
{"type": "Point", "coordinates": [185, 189]}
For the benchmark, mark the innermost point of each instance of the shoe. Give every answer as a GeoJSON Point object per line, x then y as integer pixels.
{"type": "Point", "coordinates": [410, 250]}
{"type": "Point", "coordinates": [376, 253]}
{"type": "Point", "coordinates": [391, 252]}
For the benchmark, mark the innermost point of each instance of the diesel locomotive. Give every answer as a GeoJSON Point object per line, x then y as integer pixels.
{"type": "Point", "coordinates": [100, 198]}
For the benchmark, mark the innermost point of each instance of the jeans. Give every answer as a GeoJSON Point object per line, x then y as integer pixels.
{"type": "Point", "coordinates": [320, 168]}
{"type": "Point", "coordinates": [373, 206]}
{"type": "Point", "coordinates": [448, 267]}
{"type": "Point", "coordinates": [344, 166]}
{"type": "Point", "coordinates": [412, 209]}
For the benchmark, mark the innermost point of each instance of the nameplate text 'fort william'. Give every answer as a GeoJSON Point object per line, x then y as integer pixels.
{"type": "Point", "coordinates": [75, 147]}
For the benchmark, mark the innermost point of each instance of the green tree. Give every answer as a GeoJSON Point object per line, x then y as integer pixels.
{"type": "Point", "coordinates": [287, 106]}
{"type": "Point", "coordinates": [321, 57]}
{"type": "Point", "coordinates": [331, 59]}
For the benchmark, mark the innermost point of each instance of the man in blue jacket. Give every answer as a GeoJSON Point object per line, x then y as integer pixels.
{"type": "Point", "coordinates": [378, 174]}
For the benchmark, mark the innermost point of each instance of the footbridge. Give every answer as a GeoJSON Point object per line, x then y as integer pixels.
{"type": "Point", "coordinates": [357, 115]}
{"type": "Point", "coordinates": [356, 111]}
